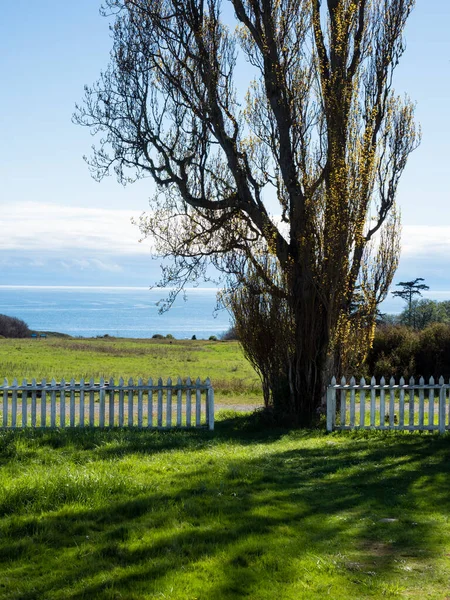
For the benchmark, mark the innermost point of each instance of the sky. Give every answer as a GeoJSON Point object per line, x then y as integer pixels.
{"type": "Point", "coordinates": [60, 227]}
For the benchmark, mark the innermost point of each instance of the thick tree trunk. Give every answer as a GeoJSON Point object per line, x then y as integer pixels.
{"type": "Point", "coordinates": [298, 396]}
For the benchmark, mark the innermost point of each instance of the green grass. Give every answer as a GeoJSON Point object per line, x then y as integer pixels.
{"type": "Point", "coordinates": [234, 380]}
{"type": "Point", "coordinates": [239, 513]}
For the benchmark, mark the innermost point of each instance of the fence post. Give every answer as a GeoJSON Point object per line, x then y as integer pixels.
{"type": "Point", "coordinates": [330, 404]}
{"type": "Point", "coordinates": [188, 401]}
{"type": "Point", "coordinates": [442, 395]}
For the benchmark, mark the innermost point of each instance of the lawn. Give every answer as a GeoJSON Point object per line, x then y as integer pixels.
{"type": "Point", "coordinates": [242, 512]}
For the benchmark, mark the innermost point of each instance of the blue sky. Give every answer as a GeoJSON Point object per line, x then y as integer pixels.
{"type": "Point", "coordinates": [64, 228]}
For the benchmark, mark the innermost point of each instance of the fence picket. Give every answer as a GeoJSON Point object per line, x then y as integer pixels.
{"type": "Point", "coordinates": [198, 402]}
{"type": "Point", "coordinates": [169, 403]}
{"type": "Point", "coordinates": [62, 404]}
{"type": "Point", "coordinates": [24, 403]}
{"type": "Point", "coordinates": [101, 400]}
{"type": "Point", "coordinates": [352, 401]}
{"type": "Point", "coordinates": [411, 402]}
{"type": "Point", "coordinates": [33, 403]}
{"type": "Point", "coordinates": [43, 404]}
{"type": "Point", "coordinates": [91, 403]}
{"type": "Point", "coordinates": [362, 403]}
{"type": "Point", "coordinates": [179, 402]}
{"type": "Point", "coordinates": [401, 408]}
{"type": "Point", "coordinates": [53, 403]}
{"type": "Point", "coordinates": [382, 402]}
{"type": "Point", "coordinates": [82, 402]}
{"type": "Point", "coordinates": [343, 403]}
{"type": "Point", "coordinates": [130, 403]}
{"type": "Point", "coordinates": [392, 403]}
{"type": "Point", "coordinates": [188, 402]}
{"type": "Point", "coordinates": [121, 401]}
{"type": "Point", "coordinates": [140, 393]}
{"type": "Point", "coordinates": [421, 403]}
{"type": "Point", "coordinates": [72, 403]}
{"type": "Point", "coordinates": [372, 401]}
{"type": "Point", "coordinates": [150, 404]}
{"type": "Point", "coordinates": [111, 402]}
{"type": "Point", "coordinates": [14, 403]}
{"type": "Point", "coordinates": [431, 403]}
{"type": "Point", "coordinates": [160, 403]}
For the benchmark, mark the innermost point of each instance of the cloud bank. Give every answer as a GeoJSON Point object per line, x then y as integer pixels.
{"type": "Point", "coordinates": [33, 226]}
{"type": "Point", "coordinates": [51, 244]}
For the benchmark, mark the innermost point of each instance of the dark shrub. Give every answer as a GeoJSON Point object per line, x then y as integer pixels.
{"type": "Point", "coordinates": [212, 338]}
{"type": "Point", "coordinates": [169, 336]}
{"type": "Point", "coordinates": [393, 353]}
{"type": "Point", "coordinates": [433, 354]}
{"type": "Point", "coordinates": [157, 336]}
{"type": "Point", "coordinates": [11, 327]}
{"type": "Point", "coordinates": [402, 352]}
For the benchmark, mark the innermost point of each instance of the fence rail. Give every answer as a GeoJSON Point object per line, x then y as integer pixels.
{"type": "Point", "coordinates": [107, 403]}
{"type": "Point", "coordinates": [404, 406]}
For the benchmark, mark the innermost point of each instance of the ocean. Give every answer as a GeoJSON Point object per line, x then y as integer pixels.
{"type": "Point", "coordinates": [119, 312]}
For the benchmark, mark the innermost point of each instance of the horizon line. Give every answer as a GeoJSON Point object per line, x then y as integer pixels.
{"type": "Point", "coordinates": [102, 287]}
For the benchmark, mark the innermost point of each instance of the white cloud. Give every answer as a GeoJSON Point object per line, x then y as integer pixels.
{"type": "Point", "coordinates": [425, 241]}
{"type": "Point", "coordinates": [35, 226]}
{"type": "Point", "coordinates": [42, 229]}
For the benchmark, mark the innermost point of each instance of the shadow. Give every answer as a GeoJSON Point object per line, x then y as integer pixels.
{"type": "Point", "coordinates": [320, 509]}
{"type": "Point", "coordinates": [245, 428]}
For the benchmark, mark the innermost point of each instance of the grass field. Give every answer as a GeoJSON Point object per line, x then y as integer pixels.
{"type": "Point", "coordinates": [238, 513]}
{"type": "Point", "coordinates": [241, 512]}
{"type": "Point", "coordinates": [234, 380]}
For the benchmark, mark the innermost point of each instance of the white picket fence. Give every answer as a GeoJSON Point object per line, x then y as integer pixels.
{"type": "Point", "coordinates": [403, 406]}
{"type": "Point", "coordinates": [107, 404]}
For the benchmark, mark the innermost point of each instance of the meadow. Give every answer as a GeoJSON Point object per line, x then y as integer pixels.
{"type": "Point", "coordinates": [245, 511]}
{"type": "Point", "coordinates": [235, 382]}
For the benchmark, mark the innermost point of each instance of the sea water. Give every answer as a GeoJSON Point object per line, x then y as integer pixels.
{"type": "Point", "coordinates": [119, 312]}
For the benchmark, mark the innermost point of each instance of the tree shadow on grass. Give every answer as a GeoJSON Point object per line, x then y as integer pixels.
{"type": "Point", "coordinates": [343, 512]}
{"type": "Point", "coordinates": [247, 428]}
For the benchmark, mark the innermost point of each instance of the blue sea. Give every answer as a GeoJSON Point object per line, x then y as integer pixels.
{"type": "Point", "coordinates": [119, 312]}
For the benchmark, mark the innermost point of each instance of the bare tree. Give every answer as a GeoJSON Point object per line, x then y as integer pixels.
{"type": "Point", "coordinates": [321, 131]}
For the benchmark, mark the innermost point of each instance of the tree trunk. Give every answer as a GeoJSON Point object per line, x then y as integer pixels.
{"type": "Point", "coordinates": [298, 399]}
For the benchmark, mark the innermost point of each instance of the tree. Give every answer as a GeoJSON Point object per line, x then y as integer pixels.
{"type": "Point", "coordinates": [320, 131]}
{"type": "Point", "coordinates": [12, 327]}
{"type": "Point", "coordinates": [424, 312]}
{"type": "Point", "coordinates": [410, 289]}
